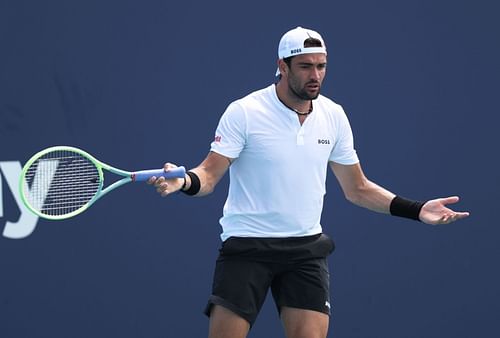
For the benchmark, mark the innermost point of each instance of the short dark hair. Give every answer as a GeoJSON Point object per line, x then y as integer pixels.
{"type": "Point", "coordinates": [309, 42]}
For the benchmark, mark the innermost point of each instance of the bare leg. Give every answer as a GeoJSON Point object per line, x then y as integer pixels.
{"type": "Point", "coordinates": [226, 324]}
{"type": "Point", "coordinates": [301, 323]}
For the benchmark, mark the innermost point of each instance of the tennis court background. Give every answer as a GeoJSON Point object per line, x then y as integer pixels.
{"type": "Point", "coordinates": [140, 83]}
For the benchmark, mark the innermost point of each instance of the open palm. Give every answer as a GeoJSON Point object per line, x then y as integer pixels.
{"type": "Point", "coordinates": [435, 211]}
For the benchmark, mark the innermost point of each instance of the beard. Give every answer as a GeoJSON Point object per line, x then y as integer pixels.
{"type": "Point", "coordinates": [300, 91]}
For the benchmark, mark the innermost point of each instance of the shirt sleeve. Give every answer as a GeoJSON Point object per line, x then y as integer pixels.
{"type": "Point", "coordinates": [230, 135]}
{"type": "Point", "coordinates": [343, 151]}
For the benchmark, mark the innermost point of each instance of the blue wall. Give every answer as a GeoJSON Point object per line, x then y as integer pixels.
{"type": "Point", "coordinates": [139, 83]}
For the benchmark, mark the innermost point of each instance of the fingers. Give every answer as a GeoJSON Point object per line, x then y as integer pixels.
{"type": "Point", "coordinates": [169, 166]}
{"type": "Point", "coordinates": [446, 219]}
{"type": "Point", "coordinates": [166, 167]}
{"type": "Point", "coordinates": [163, 186]}
{"type": "Point", "coordinates": [449, 200]}
{"type": "Point", "coordinates": [435, 211]}
{"type": "Point", "coordinates": [452, 217]}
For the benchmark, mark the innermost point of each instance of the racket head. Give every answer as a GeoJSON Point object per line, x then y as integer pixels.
{"type": "Point", "coordinates": [60, 182]}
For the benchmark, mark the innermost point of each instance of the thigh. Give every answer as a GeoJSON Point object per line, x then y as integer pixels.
{"type": "Point", "coordinates": [226, 324]}
{"type": "Point", "coordinates": [304, 285]}
{"type": "Point", "coordinates": [300, 323]}
{"type": "Point", "coordinates": [240, 286]}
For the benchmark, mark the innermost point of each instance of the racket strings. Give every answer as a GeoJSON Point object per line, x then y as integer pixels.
{"type": "Point", "coordinates": [61, 182]}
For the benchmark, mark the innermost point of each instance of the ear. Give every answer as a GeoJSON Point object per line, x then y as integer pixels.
{"type": "Point", "coordinates": [283, 67]}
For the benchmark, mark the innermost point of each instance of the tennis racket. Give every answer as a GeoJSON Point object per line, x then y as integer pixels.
{"type": "Point", "coordinates": [62, 182]}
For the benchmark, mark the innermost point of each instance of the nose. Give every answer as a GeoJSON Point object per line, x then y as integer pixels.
{"type": "Point", "coordinates": [316, 73]}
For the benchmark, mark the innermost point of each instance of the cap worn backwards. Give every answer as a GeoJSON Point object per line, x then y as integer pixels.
{"type": "Point", "coordinates": [292, 43]}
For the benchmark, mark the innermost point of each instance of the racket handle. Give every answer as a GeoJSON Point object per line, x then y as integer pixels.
{"type": "Point", "coordinates": [144, 175]}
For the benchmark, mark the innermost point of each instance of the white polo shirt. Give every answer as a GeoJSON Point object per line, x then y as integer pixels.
{"type": "Point", "coordinates": [277, 180]}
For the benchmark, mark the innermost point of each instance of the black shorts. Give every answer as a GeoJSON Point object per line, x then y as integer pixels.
{"type": "Point", "coordinates": [294, 268]}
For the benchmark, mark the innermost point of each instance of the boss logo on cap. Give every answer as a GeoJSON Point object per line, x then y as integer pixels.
{"type": "Point", "coordinates": [295, 51]}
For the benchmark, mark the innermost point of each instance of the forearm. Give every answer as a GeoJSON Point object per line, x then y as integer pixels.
{"type": "Point", "coordinates": [361, 191]}
{"type": "Point", "coordinates": [371, 196]}
{"type": "Point", "coordinates": [206, 182]}
{"type": "Point", "coordinates": [206, 175]}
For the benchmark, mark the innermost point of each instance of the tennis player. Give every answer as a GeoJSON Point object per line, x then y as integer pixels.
{"type": "Point", "coordinates": [278, 143]}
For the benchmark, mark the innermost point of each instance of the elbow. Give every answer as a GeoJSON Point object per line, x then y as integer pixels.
{"type": "Point", "coordinates": [356, 194]}
{"type": "Point", "coordinates": [208, 189]}
{"type": "Point", "coordinates": [353, 197]}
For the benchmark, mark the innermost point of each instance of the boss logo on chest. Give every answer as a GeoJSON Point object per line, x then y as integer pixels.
{"type": "Point", "coordinates": [323, 141]}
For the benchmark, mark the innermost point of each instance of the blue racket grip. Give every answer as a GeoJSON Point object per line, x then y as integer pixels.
{"type": "Point", "coordinates": [144, 175]}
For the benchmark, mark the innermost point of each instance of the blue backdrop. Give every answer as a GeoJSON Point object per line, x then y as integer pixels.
{"type": "Point", "coordinates": [139, 83]}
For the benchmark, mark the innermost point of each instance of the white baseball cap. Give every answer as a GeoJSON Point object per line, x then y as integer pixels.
{"type": "Point", "coordinates": [292, 43]}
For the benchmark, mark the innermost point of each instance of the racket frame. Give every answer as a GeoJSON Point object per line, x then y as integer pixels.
{"type": "Point", "coordinates": [127, 177]}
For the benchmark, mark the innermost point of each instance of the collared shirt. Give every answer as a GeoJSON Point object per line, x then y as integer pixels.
{"type": "Point", "coordinates": [277, 180]}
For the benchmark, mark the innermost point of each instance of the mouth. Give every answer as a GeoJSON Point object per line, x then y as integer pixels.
{"type": "Point", "coordinates": [313, 86]}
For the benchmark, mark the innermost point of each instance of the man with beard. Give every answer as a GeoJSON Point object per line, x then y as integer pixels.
{"type": "Point", "coordinates": [278, 143]}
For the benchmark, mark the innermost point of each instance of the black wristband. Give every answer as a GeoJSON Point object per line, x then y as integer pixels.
{"type": "Point", "coordinates": [195, 184]}
{"type": "Point", "coordinates": [403, 207]}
